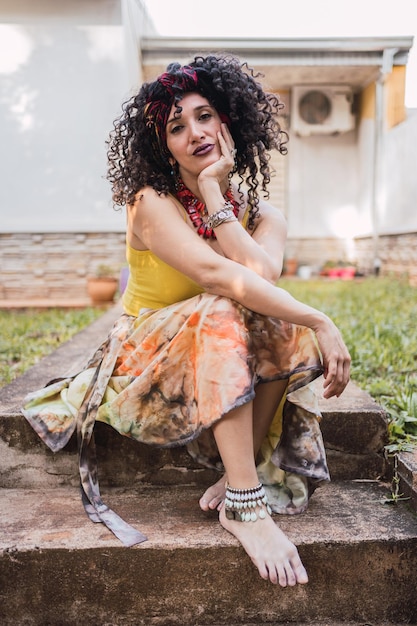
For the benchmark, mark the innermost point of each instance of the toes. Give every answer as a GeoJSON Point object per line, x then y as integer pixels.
{"type": "Point", "coordinates": [208, 503]}
{"type": "Point", "coordinates": [282, 573]}
{"type": "Point", "coordinates": [282, 576]}
{"type": "Point", "coordinates": [214, 503]}
{"type": "Point", "coordinates": [299, 570]}
{"type": "Point", "coordinates": [263, 571]}
{"type": "Point", "coordinates": [286, 573]}
{"type": "Point", "coordinates": [290, 575]}
{"type": "Point", "coordinates": [301, 575]}
{"type": "Point", "coordinates": [204, 504]}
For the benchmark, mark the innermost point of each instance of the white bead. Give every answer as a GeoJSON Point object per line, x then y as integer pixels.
{"type": "Point", "coordinates": [253, 516]}
{"type": "Point", "coordinates": [262, 514]}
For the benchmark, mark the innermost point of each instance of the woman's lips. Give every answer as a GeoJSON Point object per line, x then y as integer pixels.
{"type": "Point", "coordinates": [204, 149]}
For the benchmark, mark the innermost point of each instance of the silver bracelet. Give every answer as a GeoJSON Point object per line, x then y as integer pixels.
{"type": "Point", "coordinates": [225, 214]}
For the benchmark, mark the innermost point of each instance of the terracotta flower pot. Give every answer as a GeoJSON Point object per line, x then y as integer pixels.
{"type": "Point", "coordinates": [291, 266]}
{"type": "Point", "coordinates": [102, 289]}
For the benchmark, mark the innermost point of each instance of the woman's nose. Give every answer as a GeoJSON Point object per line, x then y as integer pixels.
{"type": "Point", "coordinates": [196, 132]}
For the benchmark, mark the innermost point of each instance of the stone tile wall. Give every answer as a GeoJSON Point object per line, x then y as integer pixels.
{"type": "Point", "coordinates": [55, 265]}
{"type": "Point", "coordinates": [397, 254]}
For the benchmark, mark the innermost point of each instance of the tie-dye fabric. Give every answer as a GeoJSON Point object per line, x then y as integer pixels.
{"type": "Point", "coordinates": [166, 377]}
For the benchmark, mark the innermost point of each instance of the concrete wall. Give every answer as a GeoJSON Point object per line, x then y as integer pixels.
{"type": "Point", "coordinates": [399, 173]}
{"type": "Point", "coordinates": [323, 185]}
{"type": "Point", "coordinates": [62, 79]}
{"type": "Point", "coordinates": [330, 200]}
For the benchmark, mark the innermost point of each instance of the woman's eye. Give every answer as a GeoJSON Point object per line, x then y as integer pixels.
{"type": "Point", "coordinates": [175, 129]}
{"type": "Point", "coordinates": [205, 116]}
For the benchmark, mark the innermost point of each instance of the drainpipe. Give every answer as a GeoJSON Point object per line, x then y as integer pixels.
{"type": "Point", "coordinates": [378, 197]}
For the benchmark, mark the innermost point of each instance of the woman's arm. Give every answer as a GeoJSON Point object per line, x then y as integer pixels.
{"type": "Point", "coordinates": [263, 252]}
{"type": "Point", "coordinates": [157, 223]}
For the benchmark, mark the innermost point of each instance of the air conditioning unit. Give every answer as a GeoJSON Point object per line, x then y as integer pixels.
{"type": "Point", "coordinates": [321, 110]}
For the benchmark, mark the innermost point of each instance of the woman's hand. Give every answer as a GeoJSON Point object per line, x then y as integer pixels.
{"type": "Point", "coordinates": [220, 170]}
{"type": "Point", "coordinates": [336, 358]}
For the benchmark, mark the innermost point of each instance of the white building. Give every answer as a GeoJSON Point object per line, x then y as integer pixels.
{"type": "Point", "coordinates": [348, 185]}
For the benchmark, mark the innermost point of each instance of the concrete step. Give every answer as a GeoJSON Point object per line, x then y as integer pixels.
{"type": "Point", "coordinates": [354, 430]}
{"type": "Point", "coordinates": [354, 437]}
{"type": "Point", "coordinates": [407, 476]}
{"type": "Point", "coordinates": [57, 568]}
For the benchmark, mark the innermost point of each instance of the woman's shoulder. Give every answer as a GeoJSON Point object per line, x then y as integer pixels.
{"type": "Point", "coordinates": [149, 194]}
{"type": "Point", "coordinates": [147, 202]}
{"type": "Point", "coordinates": [271, 210]}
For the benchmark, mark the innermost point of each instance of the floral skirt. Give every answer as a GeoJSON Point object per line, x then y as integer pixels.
{"type": "Point", "coordinates": [165, 377]}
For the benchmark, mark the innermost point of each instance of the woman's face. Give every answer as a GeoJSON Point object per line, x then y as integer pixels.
{"type": "Point", "coordinates": [192, 136]}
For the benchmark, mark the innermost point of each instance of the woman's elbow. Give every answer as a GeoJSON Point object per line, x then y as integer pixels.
{"type": "Point", "coordinates": [211, 279]}
{"type": "Point", "coordinates": [273, 272]}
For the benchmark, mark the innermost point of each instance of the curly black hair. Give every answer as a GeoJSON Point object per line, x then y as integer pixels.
{"type": "Point", "coordinates": [137, 156]}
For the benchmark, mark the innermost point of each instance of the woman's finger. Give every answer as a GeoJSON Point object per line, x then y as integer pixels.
{"type": "Point", "coordinates": [230, 144]}
{"type": "Point", "coordinates": [227, 152]}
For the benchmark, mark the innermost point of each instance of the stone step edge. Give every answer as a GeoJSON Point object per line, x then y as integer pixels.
{"type": "Point", "coordinates": [407, 476]}
{"type": "Point", "coordinates": [56, 563]}
{"type": "Point", "coordinates": [340, 512]}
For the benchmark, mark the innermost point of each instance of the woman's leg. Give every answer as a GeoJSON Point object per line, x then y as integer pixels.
{"type": "Point", "coordinates": [267, 399]}
{"type": "Point", "coordinates": [276, 558]}
{"type": "Point", "coordinates": [265, 405]}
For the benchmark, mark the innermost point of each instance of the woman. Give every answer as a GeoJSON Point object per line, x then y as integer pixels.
{"type": "Point", "coordinates": [209, 344]}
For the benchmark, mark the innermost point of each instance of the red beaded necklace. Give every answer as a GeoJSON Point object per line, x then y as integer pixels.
{"type": "Point", "coordinates": [196, 209]}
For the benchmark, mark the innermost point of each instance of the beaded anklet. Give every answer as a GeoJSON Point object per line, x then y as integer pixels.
{"type": "Point", "coordinates": [242, 504]}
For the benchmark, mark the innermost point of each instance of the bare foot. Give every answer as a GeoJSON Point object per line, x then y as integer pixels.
{"type": "Point", "coordinates": [274, 555]}
{"type": "Point", "coordinates": [213, 497]}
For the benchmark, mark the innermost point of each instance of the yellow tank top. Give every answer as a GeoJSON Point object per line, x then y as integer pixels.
{"type": "Point", "coordinates": [153, 284]}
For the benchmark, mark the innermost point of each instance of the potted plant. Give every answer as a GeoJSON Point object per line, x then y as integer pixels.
{"type": "Point", "coordinates": [290, 266]}
{"type": "Point", "coordinates": [339, 269]}
{"type": "Point", "coordinates": [103, 285]}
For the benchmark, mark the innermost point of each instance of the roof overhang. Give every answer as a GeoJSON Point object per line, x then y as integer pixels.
{"type": "Point", "coordinates": [286, 62]}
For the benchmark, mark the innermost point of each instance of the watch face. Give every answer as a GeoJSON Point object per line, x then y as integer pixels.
{"type": "Point", "coordinates": [315, 107]}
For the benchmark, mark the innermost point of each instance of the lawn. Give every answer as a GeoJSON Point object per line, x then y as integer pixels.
{"type": "Point", "coordinates": [377, 317]}
{"type": "Point", "coordinates": [28, 335]}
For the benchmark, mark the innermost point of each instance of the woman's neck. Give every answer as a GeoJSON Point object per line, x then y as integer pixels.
{"type": "Point", "coordinates": [191, 182]}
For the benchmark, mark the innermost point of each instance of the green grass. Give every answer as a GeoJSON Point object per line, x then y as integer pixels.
{"type": "Point", "coordinates": [377, 318]}
{"type": "Point", "coordinates": [28, 335]}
